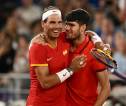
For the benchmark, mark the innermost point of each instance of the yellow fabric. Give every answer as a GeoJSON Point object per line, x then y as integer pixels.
{"type": "Point", "coordinates": [39, 64]}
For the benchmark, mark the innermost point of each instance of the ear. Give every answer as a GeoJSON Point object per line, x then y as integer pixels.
{"type": "Point", "coordinates": [83, 28]}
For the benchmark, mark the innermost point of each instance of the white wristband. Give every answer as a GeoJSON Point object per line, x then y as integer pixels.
{"type": "Point", "coordinates": [95, 38]}
{"type": "Point", "coordinates": [64, 74]}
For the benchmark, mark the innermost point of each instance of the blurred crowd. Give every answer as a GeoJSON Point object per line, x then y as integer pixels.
{"type": "Point", "coordinates": [20, 21]}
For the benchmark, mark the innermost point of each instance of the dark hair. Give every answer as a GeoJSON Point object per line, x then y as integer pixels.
{"type": "Point", "coordinates": [47, 9]}
{"type": "Point", "coordinates": [79, 15]}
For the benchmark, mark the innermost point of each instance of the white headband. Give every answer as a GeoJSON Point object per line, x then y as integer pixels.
{"type": "Point", "coordinates": [50, 12]}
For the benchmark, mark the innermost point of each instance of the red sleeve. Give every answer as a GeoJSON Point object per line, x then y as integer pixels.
{"type": "Point", "coordinates": [37, 55]}
{"type": "Point", "coordinates": [97, 66]}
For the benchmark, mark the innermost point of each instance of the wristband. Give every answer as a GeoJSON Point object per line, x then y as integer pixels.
{"type": "Point", "coordinates": [70, 71]}
{"type": "Point", "coordinates": [95, 38]}
{"type": "Point", "coordinates": [64, 74]}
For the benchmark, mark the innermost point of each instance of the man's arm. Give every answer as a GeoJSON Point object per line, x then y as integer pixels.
{"type": "Point", "coordinates": [48, 80]}
{"type": "Point", "coordinates": [97, 41]}
{"type": "Point", "coordinates": [105, 88]}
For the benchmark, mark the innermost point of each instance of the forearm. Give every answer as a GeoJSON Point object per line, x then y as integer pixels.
{"type": "Point", "coordinates": [94, 36]}
{"type": "Point", "coordinates": [105, 87]}
{"type": "Point", "coordinates": [50, 80]}
{"type": "Point", "coordinates": [103, 95]}
{"type": "Point", "coordinates": [95, 39]}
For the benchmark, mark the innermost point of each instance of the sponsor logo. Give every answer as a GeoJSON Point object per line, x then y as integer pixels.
{"type": "Point", "coordinates": [50, 58]}
{"type": "Point", "coordinates": [65, 74]}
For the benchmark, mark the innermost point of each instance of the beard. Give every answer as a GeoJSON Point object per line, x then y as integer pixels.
{"type": "Point", "coordinates": [72, 38]}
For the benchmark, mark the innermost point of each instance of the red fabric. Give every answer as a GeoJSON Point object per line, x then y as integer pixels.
{"type": "Point", "coordinates": [39, 54]}
{"type": "Point", "coordinates": [82, 86]}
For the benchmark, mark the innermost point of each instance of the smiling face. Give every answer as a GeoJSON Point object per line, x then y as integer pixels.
{"type": "Point", "coordinates": [53, 26]}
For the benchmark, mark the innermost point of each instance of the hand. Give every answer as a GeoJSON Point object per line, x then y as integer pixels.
{"type": "Point", "coordinates": [78, 62]}
{"type": "Point", "coordinates": [102, 46]}
{"type": "Point", "coordinates": [107, 49]}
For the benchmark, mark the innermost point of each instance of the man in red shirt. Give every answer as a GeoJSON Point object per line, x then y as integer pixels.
{"type": "Point", "coordinates": [82, 86]}
{"type": "Point", "coordinates": [48, 58]}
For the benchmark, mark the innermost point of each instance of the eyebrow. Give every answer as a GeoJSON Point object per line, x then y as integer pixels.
{"type": "Point", "coordinates": [55, 21]}
{"type": "Point", "coordinates": [71, 24]}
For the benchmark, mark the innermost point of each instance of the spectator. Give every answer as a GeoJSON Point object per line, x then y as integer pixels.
{"type": "Point", "coordinates": [99, 16]}
{"type": "Point", "coordinates": [21, 59]}
{"type": "Point", "coordinates": [107, 31]}
{"type": "Point", "coordinates": [7, 53]}
{"type": "Point", "coordinates": [11, 29]}
{"type": "Point", "coordinates": [29, 12]}
{"type": "Point", "coordinates": [120, 53]}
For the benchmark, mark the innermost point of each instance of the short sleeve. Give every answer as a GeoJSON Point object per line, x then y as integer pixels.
{"type": "Point", "coordinates": [98, 66]}
{"type": "Point", "coordinates": [37, 55]}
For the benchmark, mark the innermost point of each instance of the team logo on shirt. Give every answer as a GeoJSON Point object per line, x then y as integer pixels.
{"type": "Point", "coordinates": [65, 52]}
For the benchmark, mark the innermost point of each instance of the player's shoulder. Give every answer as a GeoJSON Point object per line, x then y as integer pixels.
{"type": "Point", "coordinates": [38, 39]}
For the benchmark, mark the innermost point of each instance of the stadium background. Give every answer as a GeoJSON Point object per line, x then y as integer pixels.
{"type": "Point", "coordinates": [20, 21]}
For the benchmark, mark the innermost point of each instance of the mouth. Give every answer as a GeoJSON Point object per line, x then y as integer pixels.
{"type": "Point", "coordinates": [56, 31]}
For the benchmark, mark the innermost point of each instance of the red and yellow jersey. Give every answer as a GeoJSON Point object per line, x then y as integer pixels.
{"type": "Point", "coordinates": [82, 86]}
{"type": "Point", "coordinates": [56, 59]}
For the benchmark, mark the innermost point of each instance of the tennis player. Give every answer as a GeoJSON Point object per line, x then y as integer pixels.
{"type": "Point", "coordinates": [48, 58]}
{"type": "Point", "coordinates": [82, 86]}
